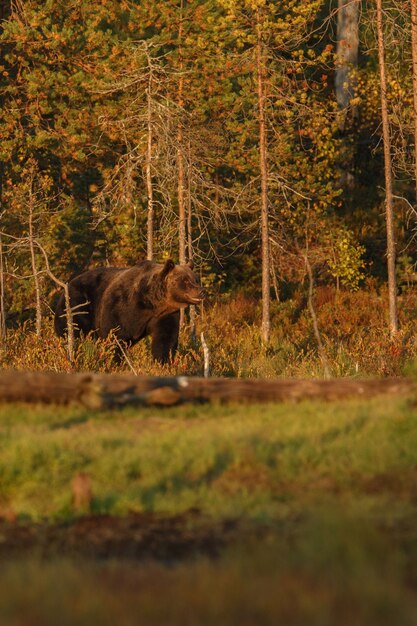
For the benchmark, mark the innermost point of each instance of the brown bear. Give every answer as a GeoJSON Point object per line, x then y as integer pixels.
{"type": "Point", "coordinates": [133, 302]}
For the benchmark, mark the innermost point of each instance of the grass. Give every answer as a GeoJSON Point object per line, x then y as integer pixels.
{"type": "Point", "coordinates": [332, 486]}
{"type": "Point", "coordinates": [335, 573]}
{"type": "Point", "coordinates": [325, 494]}
{"type": "Point", "coordinates": [256, 461]}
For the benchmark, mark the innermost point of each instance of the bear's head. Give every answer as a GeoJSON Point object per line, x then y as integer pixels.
{"type": "Point", "coordinates": [181, 284]}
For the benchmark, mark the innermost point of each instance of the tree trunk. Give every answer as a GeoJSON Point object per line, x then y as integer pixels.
{"type": "Point", "coordinates": [180, 154]}
{"type": "Point", "coordinates": [68, 310]}
{"type": "Point", "coordinates": [148, 167]}
{"type": "Point", "coordinates": [2, 303]}
{"type": "Point", "coordinates": [414, 53]}
{"type": "Point", "coordinates": [33, 262]}
{"type": "Point", "coordinates": [389, 204]}
{"type": "Point", "coordinates": [190, 242]}
{"type": "Point", "coordinates": [263, 166]}
{"type": "Point", "coordinates": [345, 82]}
{"type": "Point", "coordinates": [347, 53]}
{"type": "Point", "coordinates": [322, 352]}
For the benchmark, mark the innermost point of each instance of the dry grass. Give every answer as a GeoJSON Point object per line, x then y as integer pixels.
{"type": "Point", "coordinates": [353, 326]}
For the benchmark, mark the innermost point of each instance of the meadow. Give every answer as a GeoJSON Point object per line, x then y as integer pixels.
{"type": "Point", "coordinates": [298, 513]}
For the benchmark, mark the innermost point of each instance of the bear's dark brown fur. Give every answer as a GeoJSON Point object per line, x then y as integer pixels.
{"type": "Point", "coordinates": [132, 302]}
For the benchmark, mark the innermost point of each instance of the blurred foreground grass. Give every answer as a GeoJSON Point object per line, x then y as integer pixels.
{"type": "Point", "coordinates": [335, 570]}
{"type": "Point", "coordinates": [333, 486]}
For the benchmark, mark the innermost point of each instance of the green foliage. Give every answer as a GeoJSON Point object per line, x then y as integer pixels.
{"type": "Point", "coordinates": [346, 263]}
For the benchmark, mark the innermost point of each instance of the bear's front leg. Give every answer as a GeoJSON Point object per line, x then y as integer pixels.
{"type": "Point", "coordinates": [164, 333]}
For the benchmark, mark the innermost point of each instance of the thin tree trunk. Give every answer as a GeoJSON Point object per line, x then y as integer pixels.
{"type": "Point", "coordinates": [414, 53]}
{"type": "Point", "coordinates": [190, 242]}
{"type": "Point", "coordinates": [2, 290]}
{"type": "Point", "coordinates": [68, 310]}
{"type": "Point", "coordinates": [389, 213]}
{"type": "Point", "coordinates": [320, 346]}
{"type": "Point", "coordinates": [275, 282]}
{"type": "Point", "coordinates": [181, 202]}
{"type": "Point", "coordinates": [70, 324]}
{"type": "Point", "coordinates": [2, 303]}
{"type": "Point", "coordinates": [149, 186]}
{"type": "Point", "coordinates": [263, 166]}
{"type": "Point", "coordinates": [33, 262]}
{"type": "Point", "coordinates": [180, 155]}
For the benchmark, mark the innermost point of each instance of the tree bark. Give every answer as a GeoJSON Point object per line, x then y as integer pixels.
{"type": "Point", "coordinates": [148, 168]}
{"type": "Point", "coordinates": [180, 152]}
{"type": "Point", "coordinates": [322, 352]}
{"type": "Point", "coordinates": [414, 55]}
{"type": "Point", "coordinates": [33, 259]}
{"type": "Point", "coordinates": [263, 166]}
{"type": "Point", "coordinates": [347, 53]}
{"type": "Point", "coordinates": [190, 242]}
{"type": "Point", "coordinates": [389, 203]}
{"type": "Point", "coordinates": [2, 303]}
{"type": "Point", "coordinates": [182, 241]}
{"type": "Point", "coordinates": [3, 337]}
{"type": "Point", "coordinates": [68, 310]}
{"type": "Point", "coordinates": [98, 391]}
{"type": "Point", "coordinates": [345, 83]}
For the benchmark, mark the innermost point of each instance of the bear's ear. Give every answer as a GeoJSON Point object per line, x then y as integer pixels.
{"type": "Point", "coordinates": [190, 264]}
{"type": "Point", "coordinates": [168, 267]}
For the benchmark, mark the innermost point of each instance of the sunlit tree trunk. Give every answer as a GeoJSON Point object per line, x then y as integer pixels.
{"type": "Point", "coordinates": [263, 166]}
{"type": "Point", "coordinates": [389, 205]}
{"type": "Point", "coordinates": [148, 168]}
{"type": "Point", "coordinates": [180, 153]}
{"type": "Point", "coordinates": [5, 8]}
{"type": "Point", "coordinates": [190, 242]}
{"type": "Point", "coordinates": [2, 285]}
{"type": "Point", "coordinates": [2, 303]}
{"type": "Point", "coordinates": [414, 54]}
{"type": "Point", "coordinates": [33, 258]}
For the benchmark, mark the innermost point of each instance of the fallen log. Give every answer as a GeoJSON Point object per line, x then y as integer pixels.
{"type": "Point", "coordinates": [114, 390]}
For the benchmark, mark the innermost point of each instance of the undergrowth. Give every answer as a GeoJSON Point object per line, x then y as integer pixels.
{"type": "Point", "coordinates": [353, 328]}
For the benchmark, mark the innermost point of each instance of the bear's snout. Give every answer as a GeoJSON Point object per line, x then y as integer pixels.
{"type": "Point", "coordinates": [202, 294]}
{"type": "Point", "coordinates": [198, 296]}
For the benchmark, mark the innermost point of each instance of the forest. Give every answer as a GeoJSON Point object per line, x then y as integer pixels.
{"type": "Point", "coordinates": [266, 473]}
{"type": "Point", "coordinates": [271, 142]}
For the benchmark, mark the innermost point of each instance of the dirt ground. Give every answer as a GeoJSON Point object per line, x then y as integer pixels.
{"type": "Point", "coordinates": [136, 536]}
